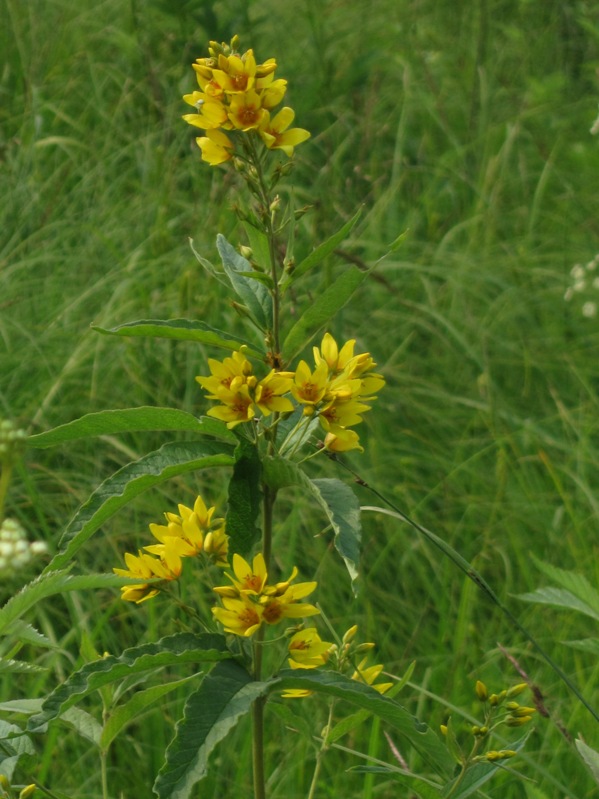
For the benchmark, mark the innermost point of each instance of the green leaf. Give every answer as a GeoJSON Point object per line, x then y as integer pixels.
{"type": "Point", "coordinates": [321, 310]}
{"type": "Point", "coordinates": [130, 420]}
{"type": "Point", "coordinates": [208, 266]}
{"type": "Point", "coordinates": [245, 498]}
{"type": "Point", "coordinates": [338, 501]}
{"type": "Point", "coordinates": [590, 757]}
{"type": "Point", "coordinates": [183, 330]}
{"type": "Point", "coordinates": [127, 713]}
{"type": "Point", "coordinates": [321, 252]}
{"type": "Point", "coordinates": [559, 598]}
{"type": "Point", "coordinates": [27, 634]}
{"type": "Point", "coordinates": [420, 736]}
{"type": "Point", "coordinates": [590, 645]}
{"type": "Point", "coordinates": [259, 244]}
{"type": "Point", "coordinates": [343, 510]}
{"type": "Point", "coordinates": [572, 581]}
{"type": "Point", "coordinates": [226, 695]}
{"type": "Point", "coordinates": [254, 295]}
{"type": "Point", "coordinates": [132, 480]}
{"type": "Point", "coordinates": [47, 585]}
{"type": "Point", "coordinates": [13, 745]}
{"type": "Point", "coordinates": [19, 667]}
{"type": "Point", "coordinates": [169, 651]}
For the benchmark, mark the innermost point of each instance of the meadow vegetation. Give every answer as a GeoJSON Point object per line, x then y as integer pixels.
{"type": "Point", "coordinates": [464, 126]}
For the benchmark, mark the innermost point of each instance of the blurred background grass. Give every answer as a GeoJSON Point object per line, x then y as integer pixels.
{"type": "Point", "coordinates": [466, 125]}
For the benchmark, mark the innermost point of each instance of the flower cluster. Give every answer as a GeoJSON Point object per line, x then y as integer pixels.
{"type": "Point", "coordinates": [584, 287]}
{"type": "Point", "coordinates": [308, 651]}
{"type": "Point", "coordinates": [240, 394]}
{"type": "Point", "coordinates": [15, 550]}
{"type": "Point", "coordinates": [337, 390]}
{"type": "Point", "coordinates": [189, 533]}
{"type": "Point", "coordinates": [237, 95]}
{"type": "Point", "coordinates": [12, 441]}
{"type": "Point", "coordinates": [250, 600]}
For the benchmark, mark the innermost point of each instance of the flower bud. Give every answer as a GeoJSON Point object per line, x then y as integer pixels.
{"type": "Point", "coordinates": [27, 792]}
{"type": "Point", "coordinates": [517, 689]}
{"type": "Point", "coordinates": [350, 634]}
{"type": "Point", "coordinates": [481, 691]}
{"type": "Point", "coordinates": [518, 722]}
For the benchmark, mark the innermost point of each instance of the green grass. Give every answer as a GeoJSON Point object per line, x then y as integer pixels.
{"type": "Point", "coordinates": [465, 125]}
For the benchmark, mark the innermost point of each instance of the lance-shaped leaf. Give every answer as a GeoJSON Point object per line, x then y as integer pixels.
{"type": "Point", "coordinates": [48, 585]}
{"type": "Point", "coordinates": [244, 500]}
{"type": "Point", "coordinates": [133, 479]}
{"type": "Point", "coordinates": [254, 295]}
{"type": "Point", "coordinates": [338, 501]}
{"type": "Point", "coordinates": [225, 695]}
{"type": "Point", "coordinates": [324, 307]}
{"type": "Point", "coordinates": [182, 329]}
{"type": "Point", "coordinates": [321, 252]}
{"type": "Point", "coordinates": [169, 651]}
{"type": "Point", "coordinates": [130, 420]}
{"type": "Point", "coordinates": [127, 713]}
{"type": "Point", "coordinates": [343, 510]}
{"type": "Point", "coordinates": [419, 735]}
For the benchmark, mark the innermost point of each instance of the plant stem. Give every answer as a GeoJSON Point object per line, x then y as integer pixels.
{"type": "Point", "coordinates": [320, 755]}
{"type": "Point", "coordinates": [5, 473]}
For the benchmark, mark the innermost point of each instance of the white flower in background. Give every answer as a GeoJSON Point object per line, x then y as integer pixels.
{"type": "Point", "coordinates": [15, 550]}
{"type": "Point", "coordinates": [584, 285]}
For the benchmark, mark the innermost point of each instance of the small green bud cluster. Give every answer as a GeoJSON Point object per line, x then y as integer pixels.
{"type": "Point", "coordinates": [12, 441]}
{"type": "Point", "coordinates": [15, 550]}
{"type": "Point", "coordinates": [514, 714]}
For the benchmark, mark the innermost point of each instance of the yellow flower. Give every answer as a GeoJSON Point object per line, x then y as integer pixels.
{"type": "Point", "coordinates": [342, 441]}
{"type": "Point", "coordinates": [368, 674]}
{"type": "Point", "coordinates": [211, 114]}
{"type": "Point", "coordinates": [216, 147]}
{"type": "Point", "coordinates": [245, 111]}
{"type": "Point", "coordinates": [339, 415]}
{"type": "Point", "coordinates": [190, 524]}
{"type": "Point", "coordinates": [286, 605]}
{"type": "Point", "coordinates": [237, 407]}
{"type": "Point", "coordinates": [239, 616]}
{"type": "Point", "coordinates": [145, 567]}
{"type": "Point", "coordinates": [236, 73]}
{"type": "Point", "coordinates": [309, 387]}
{"type": "Point", "coordinates": [230, 373]}
{"type": "Point", "coordinates": [275, 135]}
{"type": "Point", "coordinates": [307, 650]}
{"type": "Point", "coordinates": [216, 546]}
{"type": "Point", "coordinates": [335, 359]}
{"type": "Point", "coordinates": [296, 693]}
{"type": "Point", "coordinates": [248, 579]}
{"type": "Point", "coordinates": [267, 395]}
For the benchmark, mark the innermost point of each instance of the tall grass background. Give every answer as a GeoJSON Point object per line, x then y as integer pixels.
{"type": "Point", "coordinates": [466, 126]}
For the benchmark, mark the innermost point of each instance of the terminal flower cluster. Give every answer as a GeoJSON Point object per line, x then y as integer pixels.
{"type": "Point", "coordinates": [237, 95]}
{"type": "Point", "coordinates": [191, 532]}
{"type": "Point", "coordinates": [338, 390]}
{"type": "Point", "coordinates": [584, 286]}
{"type": "Point", "coordinates": [250, 601]}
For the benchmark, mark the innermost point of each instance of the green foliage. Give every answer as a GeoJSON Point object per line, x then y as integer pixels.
{"type": "Point", "coordinates": [181, 330]}
{"type": "Point", "coordinates": [117, 491]}
{"type": "Point", "coordinates": [468, 127]}
{"type": "Point", "coordinates": [226, 694]}
{"type": "Point", "coordinates": [244, 498]}
{"type": "Point", "coordinates": [169, 651]}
